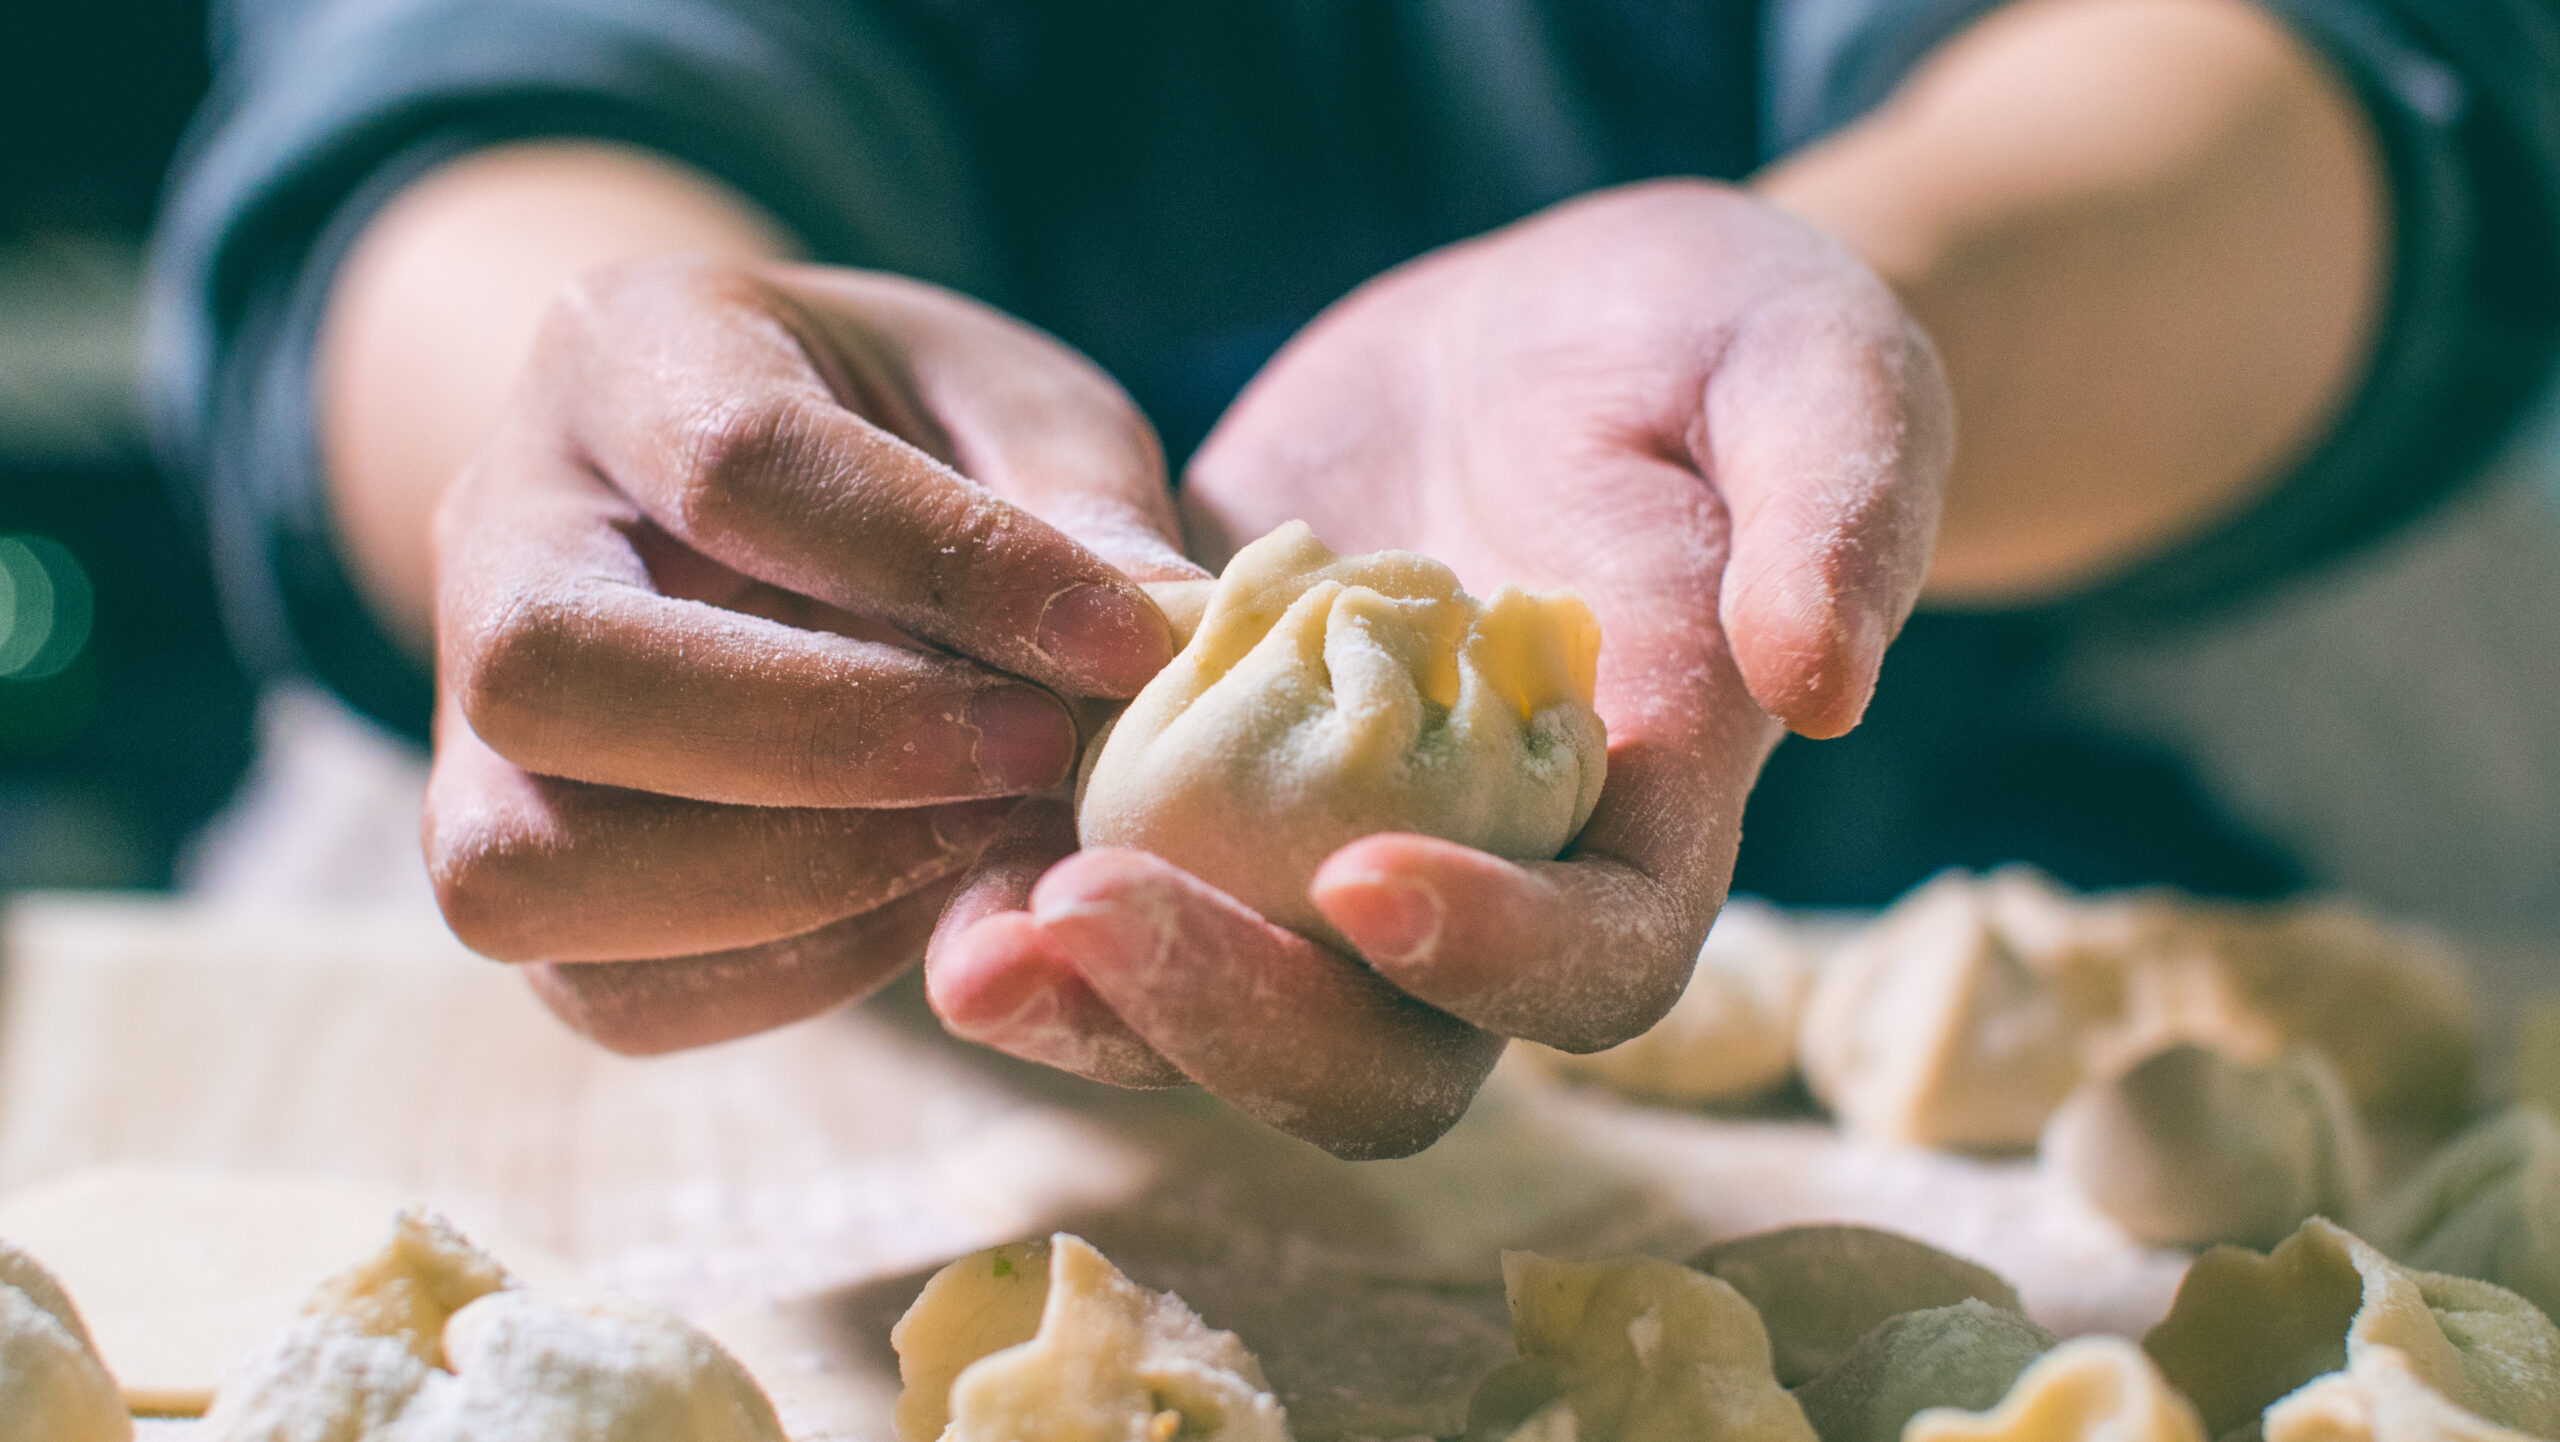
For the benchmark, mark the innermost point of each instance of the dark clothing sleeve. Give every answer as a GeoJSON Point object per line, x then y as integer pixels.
{"type": "Point", "coordinates": [900, 134]}
{"type": "Point", "coordinates": [325, 108]}
{"type": "Point", "coordinates": [2464, 100]}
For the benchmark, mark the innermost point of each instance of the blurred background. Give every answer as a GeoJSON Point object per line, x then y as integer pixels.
{"type": "Point", "coordinates": [124, 720]}
{"type": "Point", "coordinates": [2387, 721]}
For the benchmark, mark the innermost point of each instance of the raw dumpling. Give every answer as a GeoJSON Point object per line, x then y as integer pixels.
{"type": "Point", "coordinates": [2487, 1206]}
{"type": "Point", "coordinates": [2379, 1398]}
{"type": "Point", "coordinates": [52, 1384]}
{"type": "Point", "coordinates": [1047, 1342]}
{"type": "Point", "coordinates": [2386, 1006]}
{"type": "Point", "coordinates": [1732, 1034]}
{"type": "Point", "coordinates": [1965, 1356]}
{"type": "Point", "coordinates": [2248, 1329]}
{"type": "Point", "coordinates": [1635, 1349]}
{"type": "Point", "coordinates": [1964, 1015]}
{"type": "Point", "coordinates": [1821, 1289]}
{"type": "Point", "coordinates": [1328, 698]}
{"type": "Point", "coordinates": [1929, 1028]}
{"type": "Point", "coordinates": [2191, 1148]}
{"type": "Point", "coordinates": [2095, 1389]}
{"type": "Point", "coordinates": [429, 1340]}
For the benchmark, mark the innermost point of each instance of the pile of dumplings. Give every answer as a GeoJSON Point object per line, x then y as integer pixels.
{"type": "Point", "coordinates": [2201, 1072]}
{"type": "Point", "coordinates": [427, 1340]}
{"type": "Point", "coordinates": [1810, 1334]}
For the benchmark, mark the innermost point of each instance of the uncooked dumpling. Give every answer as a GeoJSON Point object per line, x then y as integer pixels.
{"type": "Point", "coordinates": [1821, 1289]}
{"type": "Point", "coordinates": [1964, 1014]}
{"type": "Point", "coordinates": [2487, 1206]}
{"type": "Point", "coordinates": [2384, 1005]}
{"type": "Point", "coordinates": [1928, 1028]}
{"type": "Point", "coordinates": [1325, 698]}
{"type": "Point", "coordinates": [1634, 1349]}
{"type": "Point", "coordinates": [1965, 1356]}
{"type": "Point", "coordinates": [2191, 1148]}
{"type": "Point", "coordinates": [1732, 1034]}
{"type": "Point", "coordinates": [429, 1340]}
{"type": "Point", "coordinates": [1047, 1342]}
{"type": "Point", "coordinates": [2379, 1398]}
{"type": "Point", "coordinates": [53, 1388]}
{"type": "Point", "coordinates": [2095, 1389]}
{"type": "Point", "coordinates": [2248, 1329]}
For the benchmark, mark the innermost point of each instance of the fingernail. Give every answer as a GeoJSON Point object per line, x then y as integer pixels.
{"type": "Point", "coordinates": [1393, 923]}
{"type": "Point", "coordinates": [1118, 639]}
{"type": "Point", "coordinates": [1025, 741]}
{"type": "Point", "coordinates": [970, 828]}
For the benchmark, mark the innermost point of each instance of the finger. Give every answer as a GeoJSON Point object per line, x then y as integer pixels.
{"type": "Point", "coordinates": [1027, 418]}
{"type": "Point", "coordinates": [994, 977]}
{"type": "Point", "coordinates": [1586, 952]}
{"type": "Point", "coordinates": [642, 1008]}
{"type": "Point", "coordinates": [528, 868]}
{"type": "Point", "coordinates": [759, 436]}
{"type": "Point", "coordinates": [1289, 1034]}
{"type": "Point", "coordinates": [1829, 431]}
{"type": "Point", "coordinates": [564, 657]}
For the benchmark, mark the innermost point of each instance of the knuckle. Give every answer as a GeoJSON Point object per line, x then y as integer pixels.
{"type": "Point", "coordinates": [509, 664]}
{"type": "Point", "coordinates": [730, 457]}
{"type": "Point", "coordinates": [481, 884]}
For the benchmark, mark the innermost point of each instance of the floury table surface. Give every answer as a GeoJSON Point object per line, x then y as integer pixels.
{"type": "Point", "coordinates": [794, 1189]}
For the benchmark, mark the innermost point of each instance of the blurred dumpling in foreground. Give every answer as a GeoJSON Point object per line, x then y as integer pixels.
{"type": "Point", "coordinates": [1326, 698]}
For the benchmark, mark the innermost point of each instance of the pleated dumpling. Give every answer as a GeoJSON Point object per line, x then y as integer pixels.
{"type": "Point", "coordinates": [1325, 698]}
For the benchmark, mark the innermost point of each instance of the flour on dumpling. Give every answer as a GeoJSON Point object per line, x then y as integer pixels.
{"type": "Point", "coordinates": [1326, 698]}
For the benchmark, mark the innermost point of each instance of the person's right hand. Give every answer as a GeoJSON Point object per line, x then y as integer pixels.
{"type": "Point", "coordinates": [737, 673]}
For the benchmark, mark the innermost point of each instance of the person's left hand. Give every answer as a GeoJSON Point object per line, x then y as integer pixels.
{"type": "Point", "coordinates": [1702, 414]}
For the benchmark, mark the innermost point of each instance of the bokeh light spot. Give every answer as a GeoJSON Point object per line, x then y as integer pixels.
{"type": "Point", "coordinates": [46, 606]}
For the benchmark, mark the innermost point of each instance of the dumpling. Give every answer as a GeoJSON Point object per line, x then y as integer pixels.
{"type": "Point", "coordinates": [1327, 698]}
{"type": "Point", "coordinates": [1732, 1034]}
{"type": "Point", "coordinates": [2191, 1148]}
{"type": "Point", "coordinates": [2487, 1206]}
{"type": "Point", "coordinates": [2386, 1006]}
{"type": "Point", "coordinates": [1965, 1356]}
{"type": "Point", "coordinates": [1928, 1028]}
{"type": "Point", "coordinates": [54, 1387]}
{"type": "Point", "coordinates": [2094, 1389]}
{"type": "Point", "coordinates": [2379, 1398]}
{"type": "Point", "coordinates": [1964, 1015]}
{"type": "Point", "coordinates": [1635, 1349]}
{"type": "Point", "coordinates": [1821, 1289]}
{"type": "Point", "coordinates": [2248, 1329]}
{"type": "Point", "coordinates": [430, 1340]}
{"type": "Point", "coordinates": [1047, 1342]}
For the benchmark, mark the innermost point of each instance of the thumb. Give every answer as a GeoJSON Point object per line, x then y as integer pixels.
{"type": "Point", "coordinates": [1828, 430]}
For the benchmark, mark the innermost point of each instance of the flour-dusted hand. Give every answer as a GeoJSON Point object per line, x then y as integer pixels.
{"type": "Point", "coordinates": [754, 617]}
{"type": "Point", "coordinates": [1710, 421]}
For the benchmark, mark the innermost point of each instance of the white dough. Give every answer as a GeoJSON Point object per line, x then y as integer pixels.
{"type": "Point", "coordinates": [1047, 1342]}
{"type": "Point", "coordinates": [1633, 1349]}
{"type": "Point", "coordinates": [53, 1388]}
{"type": "Point", "coordinates": [1326, 698]}
{"type": "Point", "coordinates": [429, 1340]}
{"type": "Point", "coordinates": [2095, 1389]}
{"type": "Point", "coordinates": [181, 1272]}
{"type": "Point", "coordinates": [2191, 1147]}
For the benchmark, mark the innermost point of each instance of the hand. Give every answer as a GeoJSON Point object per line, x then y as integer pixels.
{"type": "Point", "coordinates": [737, 673]}
{"type": "Point", "coordinates": [1707, 418]}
